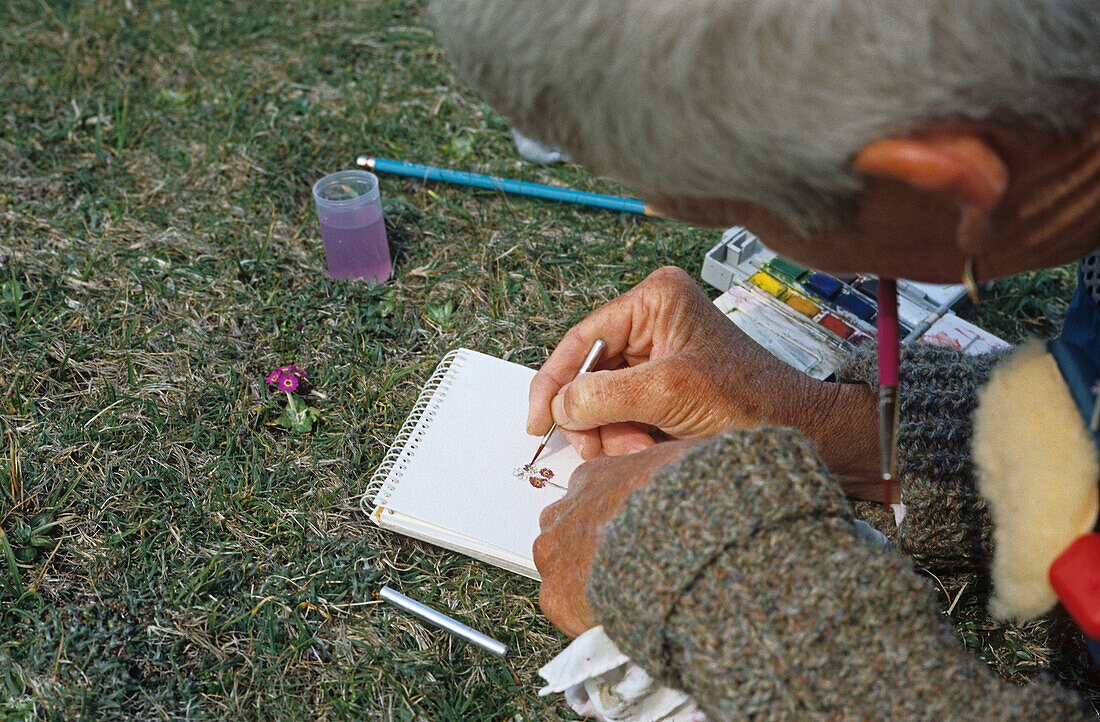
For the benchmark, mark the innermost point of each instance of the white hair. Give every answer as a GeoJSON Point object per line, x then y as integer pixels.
{"type": "Point", "coordinates": [766, 100]}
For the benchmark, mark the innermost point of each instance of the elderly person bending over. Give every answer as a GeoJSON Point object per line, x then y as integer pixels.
{"type": "Point", "coordinates": [921, 140]}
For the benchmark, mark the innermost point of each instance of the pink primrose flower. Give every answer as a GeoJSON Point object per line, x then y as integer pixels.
{"type": "Point", "coordinates": [286, 377]}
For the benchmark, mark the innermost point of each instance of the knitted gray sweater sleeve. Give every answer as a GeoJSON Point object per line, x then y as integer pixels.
{"type": "Point", "coordinates": [946, 525]}
{"type": "Point", "coordinates": [737, 577]}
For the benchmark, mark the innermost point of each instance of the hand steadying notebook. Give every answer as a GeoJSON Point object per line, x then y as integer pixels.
{"type": "Point", "coordinates": [455, 474]}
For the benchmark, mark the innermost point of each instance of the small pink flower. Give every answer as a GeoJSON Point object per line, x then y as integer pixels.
{"type": "Point", "coordinates": [537, 481]}
{"type": "Point", "coordinates": [286, 378]}
{"type": "Point", "coordinates": [547, 473]}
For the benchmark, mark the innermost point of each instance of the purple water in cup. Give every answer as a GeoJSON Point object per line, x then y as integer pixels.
{"type": "Point", "coordinates": [352, 230]}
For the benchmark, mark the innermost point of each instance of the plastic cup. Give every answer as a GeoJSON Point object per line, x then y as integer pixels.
{"type": "Point", "coordinates": [353, 231]}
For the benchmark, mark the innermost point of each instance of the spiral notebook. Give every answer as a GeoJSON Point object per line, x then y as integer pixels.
{"type": "Point", "coordinates": [455, 475]}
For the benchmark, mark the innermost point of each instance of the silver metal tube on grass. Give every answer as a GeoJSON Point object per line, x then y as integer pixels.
{"type": "Point", "coordinates": [441, 620]}
{"type": "Point", "coordinates": [504, 185]}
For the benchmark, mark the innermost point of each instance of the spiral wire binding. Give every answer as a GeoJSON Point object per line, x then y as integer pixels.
{"type": "Point", "coordinates": [412, 432]}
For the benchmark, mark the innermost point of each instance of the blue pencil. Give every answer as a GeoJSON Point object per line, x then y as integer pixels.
{"type": "Point", "coordinates": [504, 185]}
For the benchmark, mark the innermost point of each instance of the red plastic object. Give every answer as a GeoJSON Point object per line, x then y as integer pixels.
{"type": "Point", "coordinates": [1075, 576]}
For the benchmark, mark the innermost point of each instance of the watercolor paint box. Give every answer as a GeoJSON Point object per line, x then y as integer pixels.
{"type": "Point", "coordinates": [811, 320]}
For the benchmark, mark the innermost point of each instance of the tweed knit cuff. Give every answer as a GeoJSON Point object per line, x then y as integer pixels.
{"type": "Point", "coordinates": [946, 524]}
{"type": "Point", "coordinates": [745, 483]}
{"type": "Point", "coordinates": [737, 577]}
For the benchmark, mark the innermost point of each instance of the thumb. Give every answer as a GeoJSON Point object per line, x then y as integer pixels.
{"type": "Point", "coordinates": [606, 397]}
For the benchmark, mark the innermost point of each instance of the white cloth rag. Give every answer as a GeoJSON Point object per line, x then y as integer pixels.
{"type": "Point", "coordinates": [535, 151]}
{"type": "Point", "coordinates": [600, 681]}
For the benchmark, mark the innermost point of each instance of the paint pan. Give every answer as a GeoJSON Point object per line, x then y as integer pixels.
{"type": "Point", "coordinates": [803, 305]}
{"type": "Point", "coordinates": [835, 325]}
{"type": "Point", "coordinates": [786, 270]}
{"type": "Point", "coordinates": [769, 284]}
{"type": "Point", "coordinates": [856, 305]}
{"type": "Point", "coordinates": [822, 285]}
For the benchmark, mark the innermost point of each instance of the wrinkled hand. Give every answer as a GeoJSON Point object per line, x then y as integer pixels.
{"type": "Point", "coordinates": [673, 362]}
{"type": "Point", "coordinates": [573, 528]}
{"type": "Point", "coordinates": [676, 364]}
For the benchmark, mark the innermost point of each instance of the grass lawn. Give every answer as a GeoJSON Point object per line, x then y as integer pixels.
{"type": "Point", "coordinates": [166, 549]}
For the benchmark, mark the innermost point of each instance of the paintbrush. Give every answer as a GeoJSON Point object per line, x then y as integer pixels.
{"type": "Point", "coordinates": [888, 362]}
{"type": "Point", "coordinates": [589, 361]}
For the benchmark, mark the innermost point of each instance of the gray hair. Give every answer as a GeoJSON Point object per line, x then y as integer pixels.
{"type": "Point", "coordinates": [766, 100]}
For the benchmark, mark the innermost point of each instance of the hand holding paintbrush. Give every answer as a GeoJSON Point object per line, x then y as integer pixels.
{"type": "Point", "coordinates": [589, 362]}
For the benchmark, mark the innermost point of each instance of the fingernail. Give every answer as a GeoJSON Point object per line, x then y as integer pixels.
{"type": "Point", "coordinates": [557, 407]}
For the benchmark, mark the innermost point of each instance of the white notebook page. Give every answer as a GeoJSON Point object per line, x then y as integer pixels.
{"type": "Point", "coordinates": [462, 477]}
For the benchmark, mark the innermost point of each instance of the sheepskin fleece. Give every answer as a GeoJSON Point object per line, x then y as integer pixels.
{"type": "Point", "coordinates": [1037, 468]}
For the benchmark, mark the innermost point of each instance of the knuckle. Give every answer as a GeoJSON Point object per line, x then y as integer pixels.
{"type": "Point", "coordinates": [549, 601]}
{"type": "Point", "coordinates": [578, 399]}
{"type": "Point", "coordinates": [542, 385]}
{"type": "Point", "coordinates": [670, 290]}
{"type": "Point", "coordinates": [573, 337]}
{"type": "Point", "coordinates": [547, 517]}
{"type": "Point", "coordinates": [669, 275]}
{"type": "Point", "coordinates": [577, 480]}
{"type": "Point", "coordinates": [539, 551]}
